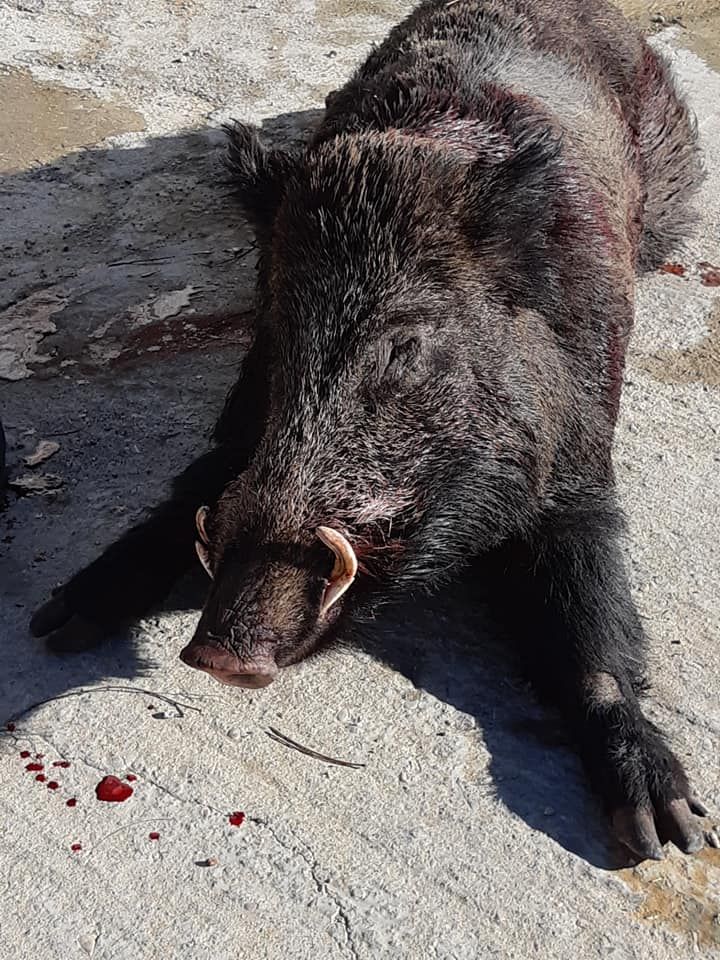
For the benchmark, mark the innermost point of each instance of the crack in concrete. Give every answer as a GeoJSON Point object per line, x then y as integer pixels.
{"type": "Point", "coordinates": [306, 854]}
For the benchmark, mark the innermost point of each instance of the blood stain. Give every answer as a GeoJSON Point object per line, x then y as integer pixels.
{"type": "Point", "coordinates": [130, 777]}
{"type": "Point", "coordinates": [113, 790]}
{"type": "Point", "coordinates": [675, 268]}
{"type": "Point", "coordinates": [711, 277]}
{"type": "Point", "coordinates": [41, 778]}
{"type": "Point", "coordinates": [39, 756]}
{"type": "Point", "coordinates": [154, 835]}
{"type": "Point", "coordinates": [53, 785]}
{"type": "Point", "coordinates": [75, 847]}
{"type": "Point", "coordinates": [24, 754]}
{"type": "Point", "coordinates": [11, 727]}
{"type": "Point", "coordinates": [72, 802]}
{"type": "Point", "coordinates": [34, 767]}
{"type": "Point", "coordinates": [237, 819]}
{"type": "Point", "coordinates": [61, 763]}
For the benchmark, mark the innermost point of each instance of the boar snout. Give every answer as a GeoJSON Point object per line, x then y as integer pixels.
{"type": "Point", "coordinates": [257, 671]}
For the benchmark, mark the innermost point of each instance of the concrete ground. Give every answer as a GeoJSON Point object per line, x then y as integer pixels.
{"type": "Point", "coordinates": [470, 832]}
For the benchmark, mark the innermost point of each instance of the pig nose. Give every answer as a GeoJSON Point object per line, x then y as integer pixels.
{"type": "Point", "coordinates": [227, 668]}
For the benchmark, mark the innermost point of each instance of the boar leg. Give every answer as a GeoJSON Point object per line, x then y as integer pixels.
{"type": "Point", "coordinates": [140, 568]}
{"type": "Point", "coordinates": [583, 643]}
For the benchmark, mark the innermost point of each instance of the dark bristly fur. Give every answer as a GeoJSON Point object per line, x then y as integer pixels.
{"type": "Point", "coordinates": [445, 294]}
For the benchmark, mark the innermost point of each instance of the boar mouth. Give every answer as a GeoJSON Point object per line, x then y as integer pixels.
{"type": "Point", "coordinates": [258, 671]}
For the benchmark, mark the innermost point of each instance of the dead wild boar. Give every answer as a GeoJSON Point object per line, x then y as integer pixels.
{"type": "Point", "coordinates": [445, 294]}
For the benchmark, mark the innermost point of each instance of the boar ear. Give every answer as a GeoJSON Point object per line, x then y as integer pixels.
{"type": "Point", "coordinates": [258, 174]}
{"type": "Point", "coordinates": [510, 208]}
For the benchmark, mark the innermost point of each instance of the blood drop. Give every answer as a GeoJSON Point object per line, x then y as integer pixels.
{"type": "Point", "coordinates": [237, 819]}
{"type": "Point", "coordinates": [113, 790]}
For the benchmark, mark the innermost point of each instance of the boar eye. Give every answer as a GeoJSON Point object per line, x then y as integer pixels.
{"type": "Point", "coordinates": [398, 357]}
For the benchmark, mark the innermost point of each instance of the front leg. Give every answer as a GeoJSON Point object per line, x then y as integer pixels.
{"type": "Point", "coordinates": [583, 641]}
{"type": "Point", "coordinates": [139, 569]}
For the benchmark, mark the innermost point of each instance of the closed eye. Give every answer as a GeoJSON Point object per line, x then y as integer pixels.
{"type": "Point", "coordinates": [400, 357]}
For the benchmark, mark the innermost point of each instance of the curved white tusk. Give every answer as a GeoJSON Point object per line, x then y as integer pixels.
{"type": "Point", "coordinates": [344, 570]}
{"type": "Point", "coordinates": [202, 552]}
{"type": "Point", "coordinates": [200, 518]}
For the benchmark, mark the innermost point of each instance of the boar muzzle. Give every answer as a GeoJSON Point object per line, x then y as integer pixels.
{"type": "Point", "coordinates": [227, 668]}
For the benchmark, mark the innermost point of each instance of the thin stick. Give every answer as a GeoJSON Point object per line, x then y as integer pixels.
{"type": "Point", "coordinates": [294, 745]}
{"type": "Point", "coordinates": [133, 823]}
{"type": "Point", "coordinates": [66, 433]}
{"type": "Point", "coordinates": [187, 256]}
{"type": "Point", "coordinates": [109, 689]}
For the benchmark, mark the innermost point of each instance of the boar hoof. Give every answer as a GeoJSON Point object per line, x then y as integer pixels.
{"type": "Point", "coordinates": [637, 827]}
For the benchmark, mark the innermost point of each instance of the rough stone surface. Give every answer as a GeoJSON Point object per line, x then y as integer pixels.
{"type": "Point", "coordinates": [470, 832]}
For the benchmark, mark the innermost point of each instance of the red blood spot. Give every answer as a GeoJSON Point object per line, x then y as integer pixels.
{"type": "Point", "coordinates": [237, 819]}
{"type": "Point", "coordinates": [10, 726]}
{"type": "Point", "coordinates": [113, 790]}
{"type": "Point", "coordinates": [41, 778]}
{"type": "Point", "coordinates": [72, 802]}
{"type": "Point", "coordinates": [154, 835]}
{"type": "Point", "coordinates": [711, 277]}
{"type": "Point", "coordinates": [675, 268]}
{"type": "Point", "coordinates": [53, 785]}
{"type": "Point", "coordinates": [34, 766]}
{"type": "Point", "coordinates": [39, 756]}
{"type": "Point", "coordinates": [61, 763]}
{"type": "Point", "coordinates": [24, 754]}
{"type": "Point", "coordinates": [130, 777]}
{"type": "Point", "coordinates": [76, 846]}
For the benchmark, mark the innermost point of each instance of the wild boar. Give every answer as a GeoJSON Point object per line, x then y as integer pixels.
{"type": "Point", "coordinates": [444, 300]}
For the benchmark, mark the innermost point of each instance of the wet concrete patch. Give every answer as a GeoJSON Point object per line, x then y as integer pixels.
{"type": "Point", "coordinates": [682, 893]}
{"type": "Point", "coordinates": [40, 122]}
{"type": "Point", "coordinates": [699, 363]}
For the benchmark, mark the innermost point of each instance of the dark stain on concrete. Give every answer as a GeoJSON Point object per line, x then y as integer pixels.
{"type": "Point", "coordinates": [40, 122]}
{"type": "Point", "coordinates": [699, 363]}
{"type": "Point", "coordinates": [682, 893]}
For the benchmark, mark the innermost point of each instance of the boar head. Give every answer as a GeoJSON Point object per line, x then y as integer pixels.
{"type": "Point", "coordinates": [398, 439]}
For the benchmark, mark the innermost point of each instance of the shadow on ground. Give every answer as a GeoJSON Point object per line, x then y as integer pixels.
{"type": "Point", "coordinates": [130, 392]}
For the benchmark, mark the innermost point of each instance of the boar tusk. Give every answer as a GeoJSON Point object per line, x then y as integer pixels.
{"type": "Point", "coordinates": [200, 518]}
{"type": "Point", "coordinates": [203, 554]}
{"type": "Point", "coordinates": [344, 570]}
